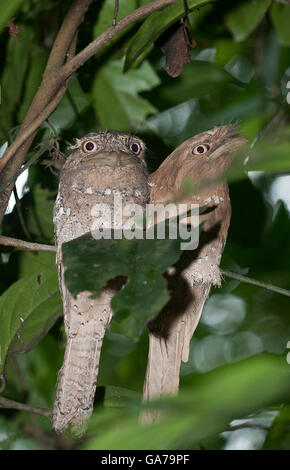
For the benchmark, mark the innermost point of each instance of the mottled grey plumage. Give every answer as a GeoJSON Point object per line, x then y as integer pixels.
{"type": "Point", "coordinates": [102, 165]}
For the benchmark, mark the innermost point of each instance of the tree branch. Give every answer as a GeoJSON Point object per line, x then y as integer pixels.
{"type": "Point", "coordinates": [15, 405]}
{"type": "Point", "coordinates": [49, 94]}
{"type": "Point", "coordinates": [33, 126]}
{"type": "Point", "coordinates": [92, 48]}
{"type": "Point", "coordinates": [249, 280]}
{"type": "Point", "coordinates": [55, 81]}
{"type": "Point", "coordinates": [23, 245]}
{"type": "Point", "coordinates": [66, 34]}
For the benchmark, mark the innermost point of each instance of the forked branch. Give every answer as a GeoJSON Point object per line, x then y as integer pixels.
{"type": "Point", "coordinates": [61, 64]}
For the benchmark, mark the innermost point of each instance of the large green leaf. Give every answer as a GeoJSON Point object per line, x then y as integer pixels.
{"type": "Point", "coordinates": [39, 217]}
{"type": "Point", "coordinates": [12, 80]}
{"type": "Point", "coordinates": [245, 18]}
{"type": "Point", "coordinates": [220, 106]}
{"type": "Point", "coordinates": [29, 262]}
{"type": "Point", "coordinates": [204, 408]}
{"type": "Point", "coordinates": [115, 95]}
{"type": "Point", "coordinates": [154, 26]}
{"type": "Point", "coordinates": [33, 79]}
{"type": "Point", "coordinates": [27, 310]}
{"type": "Point", "coordinates": [91, 263]}
{"type": "Point", "coordinates": [74, 102]}
{"type": "Point", "coordinates": [281, 19]}
{"type": "Point", "coordinates": [198, 78]}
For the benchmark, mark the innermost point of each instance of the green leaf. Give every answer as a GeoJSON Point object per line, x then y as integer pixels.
{"type": "Point", "coordinates": [74, 102]}
{"type": "Point", "coordinates": [154, 26]}
{"type": "Point", "coordinates": [205, 407]}
{"type": "Point", "coordinates": [240, 68]}
{"type": "Point", "coordinates": [281, 18]}
{"type": "Point", "coordinates": [115, 95]}
{"type": "Point", "coordinates": [7, 10]}
{"type": "Point", "coordinates": [278, 437]}
{"type": "Point", "coordinates": [29, 262]}
{"type": "Point", "coordinates": [39, 218]}
{"type": "Point", "coordinates": [178, 123]}
{"type": "Point", "coordinates": [198, 78]}
{"type": "Point", "coordinates": [245, 18]}
{"type": "Point", "coordinates": [33, 79]}
{"type": "Point", "coordinates": [27, 310]}
{"type": "Point", "coordinates": [91, 263]}
{"type": "Point", "coordinates": [13, 78]}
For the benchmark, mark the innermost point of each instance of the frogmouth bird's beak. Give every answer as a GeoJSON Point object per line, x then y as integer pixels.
{"type": "Point", "coordinates": [237, 141]}
{"type": "Point", "coordinates": [230, 144]}
{"type": "Point", "coordinates": [234, 138]}
{"type": "Point", "coordinates": [113, 159]}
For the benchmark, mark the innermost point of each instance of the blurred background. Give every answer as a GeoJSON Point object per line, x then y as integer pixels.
{"type": "Point", "coordinates": [235, 387]}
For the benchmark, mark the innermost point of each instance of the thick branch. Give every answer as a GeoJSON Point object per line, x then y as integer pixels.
{"type": "Point", "coordinates": [65, 72]}
{"type": "Point", "coordinates": [23, 245]}
{"type": "Point", "coordinates": [15, 405]}
{"type": "Point", "coordinates": [65, 41]}
{"type": "Point", "coordinates": [49, 94]}
{"type": "Point", "coordinates": [55, 81]}
{"type": "Point", "coordinates": [67, 32]}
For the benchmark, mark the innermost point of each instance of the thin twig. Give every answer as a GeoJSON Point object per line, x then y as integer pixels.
{"type": "Point", "coordinates": [92, 48]}
{"type": "Point", "coordinates": [15, 405]}
{"type": "Point", "coordinates": [23, 245]}
{"type": "Point", "coordinates": [116, 10]}
{"type": "Point", "coordinates": [8, 241]}
{"type": "Point", "coordinates": [255, 282]}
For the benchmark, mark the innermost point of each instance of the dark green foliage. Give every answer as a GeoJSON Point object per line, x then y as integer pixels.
{"type": "Point", "coordinates": [237, 371]}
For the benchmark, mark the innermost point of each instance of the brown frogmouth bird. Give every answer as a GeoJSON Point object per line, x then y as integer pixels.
{"type": "Point", "coordinates": [203, 158]}
{"type": "Point", "coordinates": [102, 166]}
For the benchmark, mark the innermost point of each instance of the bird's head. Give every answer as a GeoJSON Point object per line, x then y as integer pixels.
{"type": "Point", "coordinates": [109, 147]}
{"type": "Point", "coordinates": [202, 157]}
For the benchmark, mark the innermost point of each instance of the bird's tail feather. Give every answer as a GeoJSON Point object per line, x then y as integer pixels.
{"type": "Point", "coordinates": [78, 376]}
{"type": "Point", "coordinates": [167, 350]}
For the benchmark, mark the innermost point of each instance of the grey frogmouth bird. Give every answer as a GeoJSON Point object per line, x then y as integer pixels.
{"type": "Point", "coordinates": [102, 166]}
{"type": "Point", "coordinates": [203, 158]}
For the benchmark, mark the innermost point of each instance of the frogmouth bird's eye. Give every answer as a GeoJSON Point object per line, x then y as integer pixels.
{"type": "Point", "coordinates": [135, 148]}
{"type": "Point", "coordinates": [201, 148]}
{"type": "Point", "coordinates": [89, 146]}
